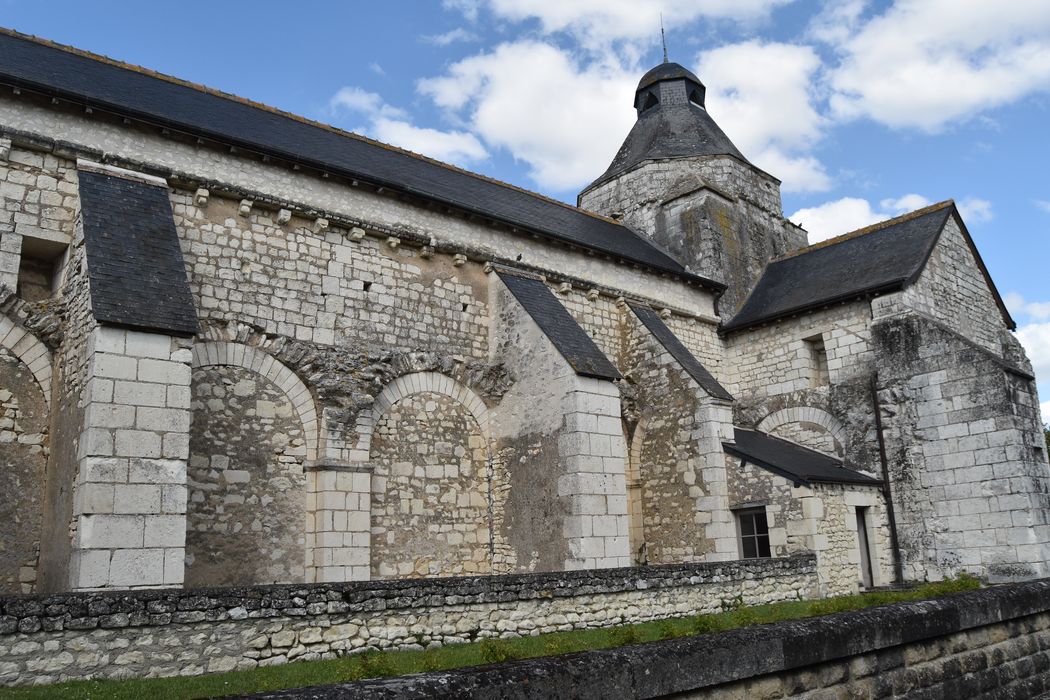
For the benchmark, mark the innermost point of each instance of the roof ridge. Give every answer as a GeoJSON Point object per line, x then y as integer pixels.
{"type": "Point", "coordinates": [878, 226]}
{"type": "Point", "coordinates": [296, 117]}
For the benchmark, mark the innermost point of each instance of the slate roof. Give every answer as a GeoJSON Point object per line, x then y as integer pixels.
{"type": "Point", "coordinates": [875, 260]}
{"type": "Point", "coordinates": [666, 71]}
{"type": "Point", "coordinates": [108, 85]}
{"type": "Point", "coordinates": [557, 324]}
{"type": "Point", "coordinates": [669, 131]}
{"type": "Point", "coordinates": [679, 352]}
{"type": "Point", "coordinates": [791, 461]}
{"type": "Point", "coordinates": [134, 262]}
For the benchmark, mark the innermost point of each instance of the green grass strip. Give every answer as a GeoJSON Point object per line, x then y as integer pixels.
{"type": "Point", "coordinates": [376, 664]}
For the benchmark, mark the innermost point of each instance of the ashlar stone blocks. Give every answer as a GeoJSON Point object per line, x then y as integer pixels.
{"type": "Point", "coordinates": [129, 507]}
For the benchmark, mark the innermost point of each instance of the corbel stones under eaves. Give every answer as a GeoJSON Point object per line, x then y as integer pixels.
{"type": "Point", "coordinates": [426, 243]}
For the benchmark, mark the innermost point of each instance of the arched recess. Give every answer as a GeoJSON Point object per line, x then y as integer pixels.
{"type": "Point", "coordinates": [776, 422]}
{"type": "Point", "coordinates": [27, 348]}
{"type": "Point", "coordinates": [25, 396]}
{"type": "Point", "coordinates": [416, 383]}
{"type": "Point", "coordinates": [247, 357]}
{"type": "Point", "coordinates": [253, 428]}
{"type": "Point", "coordinates": [431, 503]}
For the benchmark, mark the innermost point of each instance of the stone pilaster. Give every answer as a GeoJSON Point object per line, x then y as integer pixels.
{"type": "Point", "coordinates": [129, 507]}
{"type": "Point", "coordinates": [338, 505]}
{"type": "Point", "coordinates": [594, 479]}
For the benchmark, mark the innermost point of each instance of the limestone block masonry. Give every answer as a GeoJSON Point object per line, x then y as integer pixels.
{"type": "Point", "coordinates": [176, 632]}
{"type": "Point", "coordinates": [129, 506]}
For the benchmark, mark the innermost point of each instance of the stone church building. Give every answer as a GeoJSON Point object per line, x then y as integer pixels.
{"type": "Point", "coordinates": [237, 346]}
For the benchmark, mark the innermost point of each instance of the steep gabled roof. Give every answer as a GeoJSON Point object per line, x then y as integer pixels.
{"type": "Point", "coordinates": [571, 341]}
{"type": "Point", "coordinates": [138, 279]}
{"type": "Point", "coordinates": [110, 86]}
{"type": "Point", "coordinates": [792, 461]}
{"type": "Point", "coordinates": [878, 259]}
{"type": "Point", "coordinates": [680, 352]}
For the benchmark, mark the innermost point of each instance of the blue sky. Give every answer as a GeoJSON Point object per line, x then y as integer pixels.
{"type": "Point", "coordinates": [863, 109]}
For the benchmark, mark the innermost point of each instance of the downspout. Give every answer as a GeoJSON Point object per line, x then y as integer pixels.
{"type": "Point", "coordinates": [887, 494]}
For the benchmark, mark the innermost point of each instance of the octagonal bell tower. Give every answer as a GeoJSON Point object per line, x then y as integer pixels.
{"type": "Point", "coordinates": [682, 183]}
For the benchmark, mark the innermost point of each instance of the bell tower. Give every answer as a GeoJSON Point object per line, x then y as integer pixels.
{"type": "Point", "coordinates": [681, 182]}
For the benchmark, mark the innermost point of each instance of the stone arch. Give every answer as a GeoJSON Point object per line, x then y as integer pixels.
{"type": "Point", "coordinates": [806, 414]}
{"type": "Point", "coordinates": [27, 348]}
{"type": "Point", "coordinates": [253, 431]}
{"type": "Point", "coordinates": [432, 486]}
{"type": "Point", "coordinates": [237, 355]}
{"type": "Point", "coordinates": [416, 383]}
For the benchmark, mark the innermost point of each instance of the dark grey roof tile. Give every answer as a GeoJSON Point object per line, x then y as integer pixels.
{"type": "Point", "coordinates": [865, 262]}
{"type": "Point", "coordinates": [135, 268]}
{"type": "Point", "coordinates": [792, 461]}
{"type": "Point", "coordinates": [125, 90]}
{"type": "Point", "coordinates": [557, 324]}
{"type": "Point", "coordinates": [680, 352]}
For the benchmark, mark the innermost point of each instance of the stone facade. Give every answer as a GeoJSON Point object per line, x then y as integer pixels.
{"type": "Point", "coordinates": [366, 397]}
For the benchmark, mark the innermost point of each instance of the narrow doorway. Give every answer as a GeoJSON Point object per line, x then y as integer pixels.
{"type": "Point", "coordinates": [865, 548]}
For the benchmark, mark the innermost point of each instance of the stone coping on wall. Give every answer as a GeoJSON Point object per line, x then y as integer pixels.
{"type": "Point", "coordinates": [696, 663]}
{"type": "Point", "coordinates": [160, 607]}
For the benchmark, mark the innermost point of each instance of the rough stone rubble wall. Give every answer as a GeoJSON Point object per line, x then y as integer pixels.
{"type": "Point", "coordinates": [717, 216]}
{"type": "Point", "coordinates": [952, 289]}
{"type": "Point", "coordinates": [987, 643]}
{"type": "Point", "coordinates": [246, 486]}
{"type": "Point", "coordinates": [162, 633]}
{"type": "Point", "coordinates": [676, 458]}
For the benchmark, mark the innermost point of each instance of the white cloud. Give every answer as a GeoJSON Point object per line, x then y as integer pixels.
{"type": "Point", "coordinates": [833, 218]}
{"type": "Point", "coordinates": [564, 119]}
{"type": "Point", "coordinates": [1036, 340]}
{"type": "Point", "coordinates": [836, 22]}
{"type": "Point", "coordinates": [468, 8]}
{"type": "Point", "coordinates": [1043, 205]}
{"type": "Point", "coordinates": [1019, 306]}
{"type": "Point", "coordinates": [1044, 410]}
{"type": "Point", "coordinates": [850, 213]}
{"type": "Point", "coordinates": [451, 37]}
{"type": "Point", "coordinates": [925, 64]}
{"type": "Point", "coordinates": [974, 210]}
{"type": "Point", "coordinates": [390, 125]}
{"type": "Point", "coordinates": [761, 94]}
{"type": "Point", "coordinates": [596, 23]}
{"type": "Point", "coordinates": [905, 204]}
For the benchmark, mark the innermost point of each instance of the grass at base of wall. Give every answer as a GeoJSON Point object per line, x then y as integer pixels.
{"type": "Point", "coordinates": [392, 663]}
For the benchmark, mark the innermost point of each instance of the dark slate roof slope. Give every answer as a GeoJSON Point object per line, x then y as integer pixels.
{"type": "Point", "coordinates": [791, 461]}
{"type": "Point", "coordinates": [680, 352]}
{"type": "Point", "coordinates": [137, 93]}
{"type": "Point", "coordinates": [557, 324]}
{"type": "Point", "coordinates": [135, 268]}
{"type": "Point", "coordinates": [669, 131]}
{"type": "Point", "coordinates": [877, 259]}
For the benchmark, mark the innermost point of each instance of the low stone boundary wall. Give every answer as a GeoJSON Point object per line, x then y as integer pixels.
{"type": "Point", "coordinates": [989, 643]}
{"type": "Point", "coordinates": [188, 632]}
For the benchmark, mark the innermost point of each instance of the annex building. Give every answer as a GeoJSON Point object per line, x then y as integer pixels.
{"type": "Point", "coordinates": [239, 347]}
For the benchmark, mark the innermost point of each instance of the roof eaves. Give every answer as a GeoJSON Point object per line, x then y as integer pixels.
{"type": "Point", "coordinates": [894, 286]}
{"type": "Point", "coordinates": [251, 147]}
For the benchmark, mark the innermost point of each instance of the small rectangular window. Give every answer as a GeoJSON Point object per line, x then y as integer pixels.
{"type": "Point", "coordinates": [817, 355]}
{"type": "Point", "coordinates": [754, 534]}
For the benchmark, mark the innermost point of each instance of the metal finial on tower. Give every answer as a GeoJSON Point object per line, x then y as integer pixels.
{"type": "Point", "coordinates": [663, 38]}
